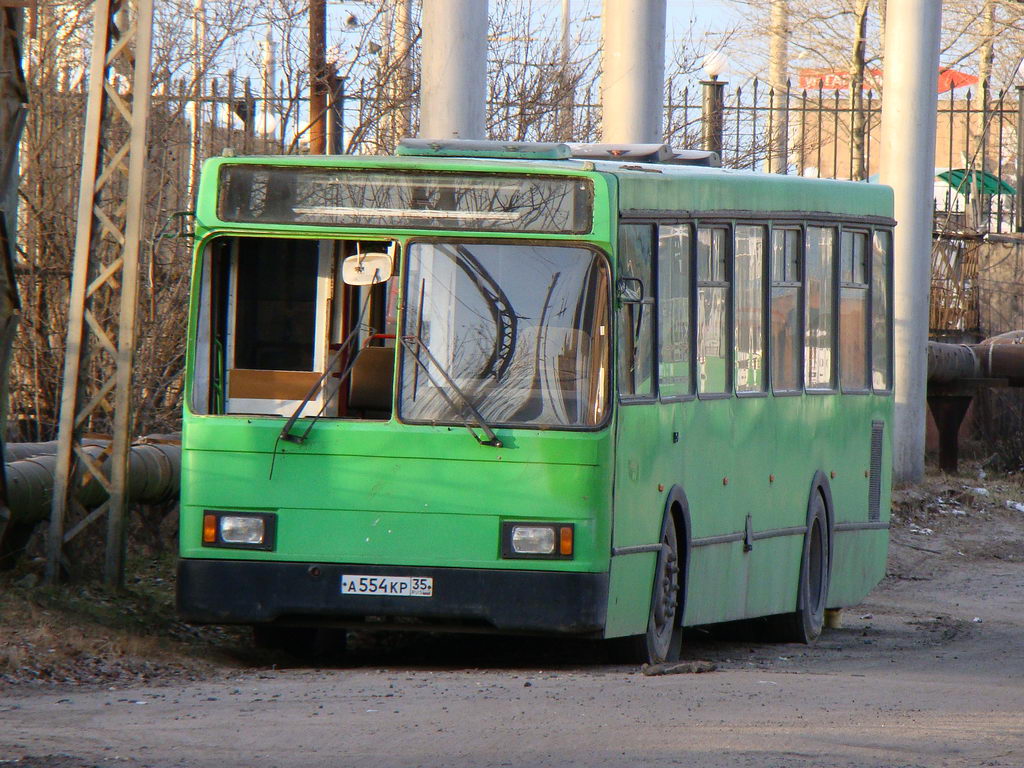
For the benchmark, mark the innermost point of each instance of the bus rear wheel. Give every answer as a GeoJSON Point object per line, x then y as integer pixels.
{"type": "Point", "coordinates": [663, 640]}
{"type": "Point", "coordinates": [805, 624]}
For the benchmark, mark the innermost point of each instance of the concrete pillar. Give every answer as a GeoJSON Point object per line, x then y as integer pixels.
{"type": "Point", "coordinates": [453, 89]}
{"type": "Point", "coordinates": [909, 105]}
{"type": "Point", "coordinates": [633, 71]}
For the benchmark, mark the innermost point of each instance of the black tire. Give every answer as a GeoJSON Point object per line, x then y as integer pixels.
{"type": "Point", "coordinates": [305, 643]}
{"type": "Point", "coordinates": [664, 637]}
{"type": "Point", "coordinates": [805, 624]}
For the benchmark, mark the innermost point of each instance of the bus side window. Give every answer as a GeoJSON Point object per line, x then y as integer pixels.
{"type": "Point", "coordinates": [674, 373]}
{"type": "Point", "coordinates": [881, 318]}
{"type": "Point", "coordinates": [853, 311]}
{"type": "Point", "coordinates": [819, 339]}
{"type": "Point", "coordinates": [786, 311]}
{"type": "Point", "coordinates": [713, 338]}
{"type": "Point", "coordinates": [749, 282]}
{"type": "Point", "coordinates": [636, 324]}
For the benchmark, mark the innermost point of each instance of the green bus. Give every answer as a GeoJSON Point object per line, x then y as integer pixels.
{"type": "Point", "coordinates": [606, 392]}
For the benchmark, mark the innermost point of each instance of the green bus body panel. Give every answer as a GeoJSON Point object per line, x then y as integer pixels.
{"type": "Point", "coordinates": [394, 494]}
{"type": "Point", "coordinates": [391, 493]}
{"type": "Point", "coordinates": [728, 450]}
{"type": "Point", "coordinates": [641, 462]}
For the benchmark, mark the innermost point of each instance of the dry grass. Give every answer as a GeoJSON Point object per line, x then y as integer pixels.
{"type": "Point", "coordinates": [89, 634]}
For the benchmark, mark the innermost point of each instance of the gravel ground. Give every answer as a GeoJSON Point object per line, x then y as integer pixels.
{"type": "Point", "coordinates": [929, 671]}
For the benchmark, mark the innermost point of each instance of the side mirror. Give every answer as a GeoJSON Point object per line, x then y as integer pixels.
{"type": "Point", "coordinates": [630, 290]}
{"type": "Point", "coordinates": [366, 269]}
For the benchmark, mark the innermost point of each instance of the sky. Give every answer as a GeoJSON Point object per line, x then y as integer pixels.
{"type": "Point", "coordinates": [712, 15]}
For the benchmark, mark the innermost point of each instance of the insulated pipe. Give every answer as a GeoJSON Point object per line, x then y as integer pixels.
{"type": "Point", "coordinates": [633, 71]}
{"type": "Point", "coordinates": [22, 451]}
{"type": "Point", "coordinates": [153, 476]}
{"type": "Point", "coordinates": [908, 165]}
{"type": "Point", "coordinates": [453, 83]}
{"type": "Point", "coordinates": [999, 357]}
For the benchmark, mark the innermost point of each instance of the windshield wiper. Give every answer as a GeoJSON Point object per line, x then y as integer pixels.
{"type": "Point", "coordinates": [286, 431]}
{"type": "Point", "coordinates": [414, 344]}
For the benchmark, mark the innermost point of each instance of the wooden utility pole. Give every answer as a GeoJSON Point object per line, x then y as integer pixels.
{"type": "Point", "coordinates": [196, 111]}
{"type": "Point", "coordinates": [101, 313]}
{"type": "Point", "coordinates": [317, 77]}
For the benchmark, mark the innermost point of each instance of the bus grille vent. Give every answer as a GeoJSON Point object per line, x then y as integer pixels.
{"type": "Point", "coordinates": [875, 480]}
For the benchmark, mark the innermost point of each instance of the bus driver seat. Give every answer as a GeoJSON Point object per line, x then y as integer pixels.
{"type": "Point", "coordinates": [372, 385]}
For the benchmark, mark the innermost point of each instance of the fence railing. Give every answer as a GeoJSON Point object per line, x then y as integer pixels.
{"type": "Point", "coordinates": [819, 132]}
{"type": "Point", "coordinates": [978, 151]}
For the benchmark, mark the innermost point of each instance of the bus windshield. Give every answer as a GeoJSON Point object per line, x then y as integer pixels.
{"type": "Point", "coordinates": [520, 329]}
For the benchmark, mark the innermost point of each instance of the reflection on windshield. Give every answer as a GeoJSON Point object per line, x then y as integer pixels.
{"type": "Point", "coordinates": [405, 198]}
{"type": "Point", "coordinates": [522, 330]}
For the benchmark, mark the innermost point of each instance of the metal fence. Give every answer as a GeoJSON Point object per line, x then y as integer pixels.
{"type": "Point", "coordinates": [824, 133]}
{"type": "Point", "coordinates": [819, 132]}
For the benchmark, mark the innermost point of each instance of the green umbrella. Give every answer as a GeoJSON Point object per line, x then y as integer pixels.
{"type": "Point", "coordinates": [980, 181]}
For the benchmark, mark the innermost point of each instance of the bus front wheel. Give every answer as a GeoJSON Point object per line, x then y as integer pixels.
{"type": "Point", "coordinates": [663, 639]}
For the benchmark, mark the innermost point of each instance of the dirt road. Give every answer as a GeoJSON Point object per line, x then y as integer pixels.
{"type": "Point", "coordinates": [928, 672]}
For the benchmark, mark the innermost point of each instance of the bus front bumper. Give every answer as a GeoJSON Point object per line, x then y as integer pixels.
{"type": "Point", "coordinates": [260, 592]}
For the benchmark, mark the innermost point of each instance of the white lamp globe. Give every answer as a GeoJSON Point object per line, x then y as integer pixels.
{"type": "Point", "coordinates": [715, 63]}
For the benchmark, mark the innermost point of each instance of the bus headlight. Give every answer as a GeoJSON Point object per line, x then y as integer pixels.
{"type": "Point", "coordinates": [235, 529]}
{"type": "Point", "coordinates": [551, 541]}
{"type": "Point", "coordinates": [239, 530]}
{"type": "Point", "coordinates": [533, 540]}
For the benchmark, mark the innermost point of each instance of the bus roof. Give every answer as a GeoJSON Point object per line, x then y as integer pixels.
{"type": "Point", "coordinates": [657, 188]}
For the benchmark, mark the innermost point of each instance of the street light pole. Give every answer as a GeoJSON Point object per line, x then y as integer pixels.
{"type": "Point", "coordinates": [714, 102]}
{"type": "Point", "coordinates": [711, 114]}
{"type": "Point", "coordinates": [336, 124]}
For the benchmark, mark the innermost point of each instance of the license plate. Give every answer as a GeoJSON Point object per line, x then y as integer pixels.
{"type": "Point", "coordinates": [391, 586]}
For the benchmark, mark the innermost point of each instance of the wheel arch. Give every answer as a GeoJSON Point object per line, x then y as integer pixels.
{"type": "Point", "coordinates": [821, 486]}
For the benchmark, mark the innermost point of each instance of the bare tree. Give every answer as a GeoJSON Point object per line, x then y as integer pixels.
{"type": "Point", "coordinates": [56, 73]}
{"type": "Point", "coordinates": [858, 168]}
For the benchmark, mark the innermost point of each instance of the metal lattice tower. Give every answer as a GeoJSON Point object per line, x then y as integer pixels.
{"type": "Point", "coordinates": [13, 98]}
{"type": "Point", "coordinates": [104, 285]}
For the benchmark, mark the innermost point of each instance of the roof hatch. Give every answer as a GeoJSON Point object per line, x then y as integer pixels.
{"type": "Point", "coordinates": [539, 150]}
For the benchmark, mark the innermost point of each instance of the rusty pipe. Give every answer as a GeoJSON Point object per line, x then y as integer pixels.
{"type": "Point", "coordinates": [949, 362]}
{"type": "Point", "coordinates": [1003, 357]}
{"type": "Point", "coordinates": [999, 357]}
